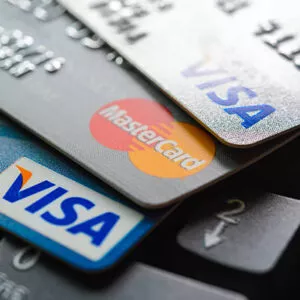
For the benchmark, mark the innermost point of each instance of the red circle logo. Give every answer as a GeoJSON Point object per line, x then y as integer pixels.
{"type": "Point", "coordinates": [156, 143]}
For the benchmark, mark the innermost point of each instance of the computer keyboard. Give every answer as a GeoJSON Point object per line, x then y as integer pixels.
{"type": "Point", "coordinates": [65, 234]}
{"type": "Point", "coordinates": [182, 241]}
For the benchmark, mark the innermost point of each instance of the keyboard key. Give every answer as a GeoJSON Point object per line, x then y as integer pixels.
{"type": "Point", "coordinates": [38, 279]}
{"type": "Point", "coordinates": [242, 228]}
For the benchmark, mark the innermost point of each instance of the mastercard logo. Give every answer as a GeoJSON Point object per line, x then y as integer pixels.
{"type": "Point", "coordinates": [156, 143]}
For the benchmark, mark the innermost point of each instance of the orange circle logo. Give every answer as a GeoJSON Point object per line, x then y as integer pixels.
{"type": "Point", "coordinates": [156, 143]}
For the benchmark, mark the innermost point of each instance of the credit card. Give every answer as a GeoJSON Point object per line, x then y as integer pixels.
{"type": "Point", "coordinates": [27, 274]}
{"type": "Point", "coordinates": [231, 64]}
{"type": "Point", "coordinates": [109, 119]}
{"type": "Point", "coordinates": [58, 207]}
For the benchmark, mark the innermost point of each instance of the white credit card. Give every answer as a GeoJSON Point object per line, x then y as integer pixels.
{"type": "Point", "coordinates": [234, 65]}
{"type": "Point", "coordinates": [74, 218]}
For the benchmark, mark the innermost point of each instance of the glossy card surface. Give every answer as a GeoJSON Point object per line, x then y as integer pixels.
{"type": "Point", "coordinates": [232, 65]}
{"type": "Point", "coordinates": [43, 197]}
{"type": "Point", "coordinates": [106, 118]}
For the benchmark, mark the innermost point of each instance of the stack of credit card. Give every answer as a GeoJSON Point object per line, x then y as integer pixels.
{"type": "Point", "coordinates": [149, 149]}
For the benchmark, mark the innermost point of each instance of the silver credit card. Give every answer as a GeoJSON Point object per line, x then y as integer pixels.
{"type": "Point", "coordinates": [232, 65]}
{"type": "Point", "coordinates": [107, 118]}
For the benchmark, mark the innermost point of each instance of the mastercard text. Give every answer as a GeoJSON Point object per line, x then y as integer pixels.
{"type": "Point", "coordinates": [167, 148]}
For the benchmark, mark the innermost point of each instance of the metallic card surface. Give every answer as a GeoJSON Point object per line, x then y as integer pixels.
{"type": "Point", "coordinates": [108, 119]}
{"type": "Point", "coordinates": [233, 65]}
{"type": "Point", "coordinates": [45, 175]}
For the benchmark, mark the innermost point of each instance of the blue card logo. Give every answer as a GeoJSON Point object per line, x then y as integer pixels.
{"type": "Point", "coordinates": [69, 215]}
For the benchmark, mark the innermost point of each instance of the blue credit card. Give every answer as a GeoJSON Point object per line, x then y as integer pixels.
{"type": "Point", "coordinates": [55, 205]}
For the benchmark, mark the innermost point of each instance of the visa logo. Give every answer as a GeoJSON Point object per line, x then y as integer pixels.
{"type": "Point", "coordinates": [63, 210]}
{"type": "Point", "coordinates": [209, 80]}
